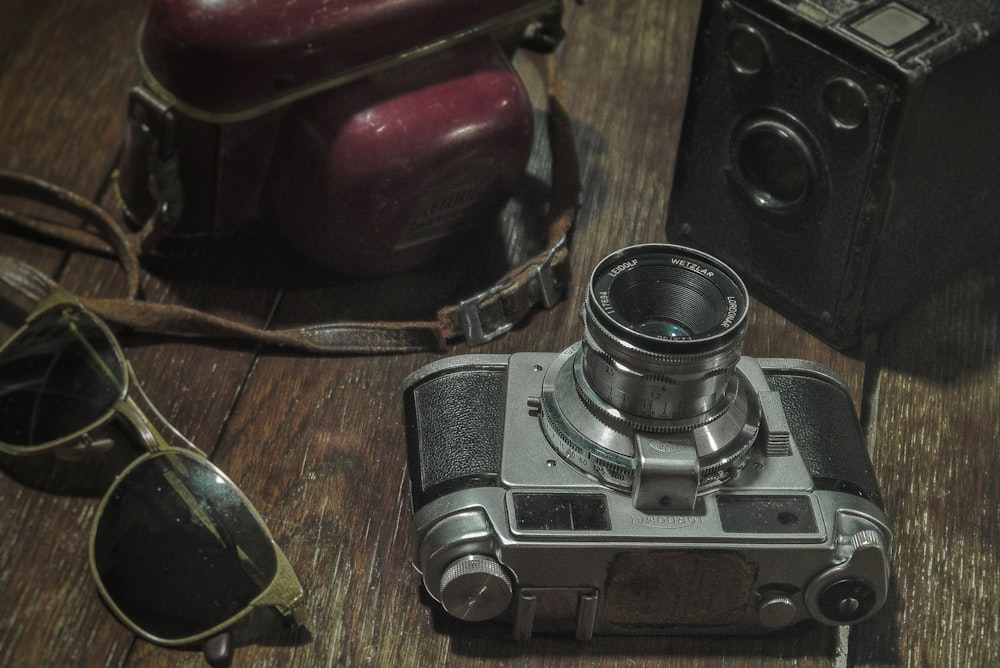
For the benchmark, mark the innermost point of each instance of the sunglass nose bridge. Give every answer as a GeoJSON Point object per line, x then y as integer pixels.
{"type": "Point", "coordinates": [84, 448]}
{"type": "Point", "coordinates": [150, 437]}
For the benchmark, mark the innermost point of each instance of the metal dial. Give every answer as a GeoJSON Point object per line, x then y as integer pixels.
{"type": "Point", "coordinates": [475, 588]}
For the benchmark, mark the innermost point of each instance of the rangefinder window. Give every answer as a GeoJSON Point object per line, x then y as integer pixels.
{"type": "Point", "coordinates": [561, 512]}
{"type": "Point", "coordinates": [766, 514]}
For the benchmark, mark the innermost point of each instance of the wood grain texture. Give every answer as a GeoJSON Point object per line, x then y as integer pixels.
{"type": "Point", "coordinates": [934, 443]}
{"type": "Point", "coordinates": [318, 444]}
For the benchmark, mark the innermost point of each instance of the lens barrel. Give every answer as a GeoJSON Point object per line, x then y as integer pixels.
{"type": "Point", "coordinates": [663, 330]}
{"type": "Point", "coordinates": [651, 401]}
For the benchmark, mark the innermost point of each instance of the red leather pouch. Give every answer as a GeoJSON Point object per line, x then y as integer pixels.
{"type": "Point", "coordinates": [368, 133]}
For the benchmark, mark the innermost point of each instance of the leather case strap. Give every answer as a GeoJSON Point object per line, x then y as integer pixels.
{"type": "Point", "coordinates": [540, 281]}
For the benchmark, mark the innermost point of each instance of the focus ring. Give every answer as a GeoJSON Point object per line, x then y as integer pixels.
{"type": "Point", "coordinates": [617, 416]}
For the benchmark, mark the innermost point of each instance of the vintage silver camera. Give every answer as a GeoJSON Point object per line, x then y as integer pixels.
{"type": "Point", "coordinates": [647, 479]}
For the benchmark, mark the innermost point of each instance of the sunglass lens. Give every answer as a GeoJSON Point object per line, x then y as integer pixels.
{"type": "Point", "coordinates": [58, 377]}
{"type": "Point", "coordinates": [176, 548]}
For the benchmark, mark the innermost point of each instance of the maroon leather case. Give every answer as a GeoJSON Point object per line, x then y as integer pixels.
{"type": "Point", "coordinates": [367, 132]}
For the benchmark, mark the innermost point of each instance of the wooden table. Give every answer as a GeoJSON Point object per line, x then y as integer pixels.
{"type": "Point", "coordinates": [317, 443]}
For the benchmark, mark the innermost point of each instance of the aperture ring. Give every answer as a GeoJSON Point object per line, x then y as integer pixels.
{"type": "Point", "coordinates": [618, 471]}
{"type": "Point", "coordinates": [656, 393]}
{"type": "Point", "coordinates": [617, 418]}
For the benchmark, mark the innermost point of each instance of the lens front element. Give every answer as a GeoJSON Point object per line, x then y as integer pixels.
{"type": "Point", "coordinates": [665, 301]}
{"type": "Point", "coordinates": [774, 164]}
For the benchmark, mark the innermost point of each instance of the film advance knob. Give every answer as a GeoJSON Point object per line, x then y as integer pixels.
{"type": "Point", "coordinates": [475, 588]}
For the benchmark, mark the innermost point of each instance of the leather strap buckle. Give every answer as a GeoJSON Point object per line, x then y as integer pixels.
{"type": "Point", "coordinates": [494, 311]}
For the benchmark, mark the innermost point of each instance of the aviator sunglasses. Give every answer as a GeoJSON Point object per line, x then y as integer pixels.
{"type": "Point", "coordinates": [178, 552]}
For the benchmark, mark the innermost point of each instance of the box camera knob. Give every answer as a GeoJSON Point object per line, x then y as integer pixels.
{"type": "Point", "coordinates": [475, 588]}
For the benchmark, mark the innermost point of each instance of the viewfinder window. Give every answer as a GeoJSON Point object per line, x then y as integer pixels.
{"type": "Point", "coordinates": [891, 25]}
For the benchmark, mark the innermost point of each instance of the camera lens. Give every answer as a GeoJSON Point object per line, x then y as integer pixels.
{"type": "Point", "coordinates": [651, 401]}
{"type": "Point", "coordinates": [774, 164]}
{"type": "Point", "coordinates": [664, 328]}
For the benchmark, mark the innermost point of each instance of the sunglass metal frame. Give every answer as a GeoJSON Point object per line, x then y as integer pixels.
{"type": "Point", "coordinates": [284, 592]}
